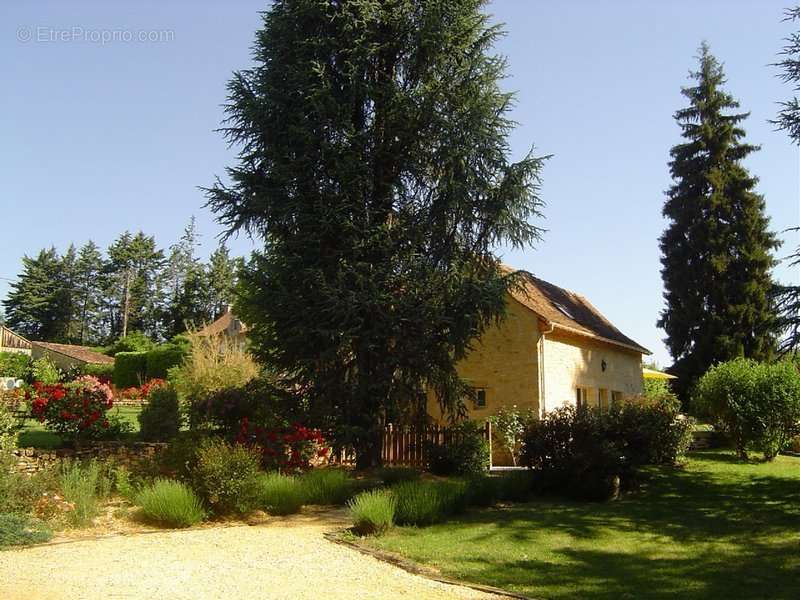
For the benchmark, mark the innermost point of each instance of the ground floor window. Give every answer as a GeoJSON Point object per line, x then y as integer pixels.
{"type": "Point", "coordinates": [480, 398]}
{"type": "Point", "coordinates": [602, 399]}
{"type": "Point", "coordinates": [581, 397]}
{"type": "Point", "coordinates": [616, 398]}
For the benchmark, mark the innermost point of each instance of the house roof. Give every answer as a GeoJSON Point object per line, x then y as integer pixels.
{"type": "Point", "coordinates": [570, 312]}
{"type": "Point", "coordinates": [9, 339]}
{"type": "Point", "coordinates": [225, 323]}
{"type": "Point", "coordinates": [81, 353]}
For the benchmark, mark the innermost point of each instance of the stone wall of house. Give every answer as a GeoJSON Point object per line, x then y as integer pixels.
{"type": "Point", "coordinates": [504, 364]}
{"type": "Point", "coordinates": [32, 460]}
{"type": "Point", "coordinates": [572, 361]}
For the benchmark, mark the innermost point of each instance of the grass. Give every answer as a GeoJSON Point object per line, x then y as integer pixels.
{"type": "Point", "coordinates": [327, 486]}
{"type": "Point", "coordinates": [716, 529]}
{"type": "Point", "coordinates": [373, 511]}
{"type": "Point", "coordinates": [34, 434]}
{"type": "Point", "coordinates": [80, 482]}
{"type": "Point", "coordinates": [280, 494]}
{"type": "Point", "coordinates": [170, 503]}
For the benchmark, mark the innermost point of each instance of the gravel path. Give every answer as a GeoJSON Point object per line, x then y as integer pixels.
{"type": "Point", "coordinates": [286, 558]}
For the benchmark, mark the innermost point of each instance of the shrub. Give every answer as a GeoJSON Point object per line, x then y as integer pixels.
{"type": "Point", "coordinates": [22, 530]}
{"type": "Point", "coordinates": [213, 363]}
{"type": "Point", "coordinates": [514, 486]}
{"type": "Point", "coordinates": [170, 503]}
{"type": "Point", "coordinates": [287, 450]}
{"type": "Point", "coordinates": [482, 490]}
{"type": "Point", "coordinates": [14, 364]}
{"type": "Point", "coordinates": [508, 428]}
{"type": "Point", "coordinates": [428, 502]}
{"type": "Point", "coordinates": [467, 452]}
{"type": "Point", "coordinates": [79, 484]}
{"type": "Point", "coordinates": [658, 391]}
{"type": "Point", "coordinates": [44, 371]}
{"type": "Point", "coordinates": [392, 475]}
{"type": "Point", "coordinates": [280, 494]}
{"type": "Point", "coordinates": [651, 430]}
{"type": "Point", "coordinates": [9, 424]}
{"type": "Point", "coordinates": [373, 511]}
{"type": "Point", "coordinates": [20, 492]}
{"type": "Point", "coordinates": [161, 359]}
{"type": "Point", "coordinates": [225, 476]}
{"type": "Point", "coordinates": [103, 372]}
{"type": "Point", "coordinates": [135, 341]}
{"type": "Point", "coordinates": [160, 419]}
{"type": "Point", "coordinates": [573, 453]}
{"type": "Point", "coordinates": [327, 486]}
{"type": "Point", "coordinates": [756, 404]}
{"type": "Point", "coordinates": [130, 369]}
{"type": "Point", "coordinates": [76, 410]}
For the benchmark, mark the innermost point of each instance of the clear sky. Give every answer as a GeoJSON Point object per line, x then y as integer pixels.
{"type": "Point", "coordinates": [99, 136]}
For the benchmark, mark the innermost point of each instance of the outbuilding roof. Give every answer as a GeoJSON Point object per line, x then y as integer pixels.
{"type": "Point", "coordinates": [570, 312]}
{"type": "Point", "coordinates": [81, 353]}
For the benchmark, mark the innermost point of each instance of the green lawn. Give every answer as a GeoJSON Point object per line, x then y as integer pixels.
{"type": "Point", "coordinates": [34, 435]}
{"type": "Point", "coordinates": [716, 529]}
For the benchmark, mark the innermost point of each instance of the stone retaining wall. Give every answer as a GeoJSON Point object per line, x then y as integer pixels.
{"type": "Point", "coordinates": [32, 460]}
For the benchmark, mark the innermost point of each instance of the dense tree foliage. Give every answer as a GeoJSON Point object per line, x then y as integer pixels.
{"type": "Point", "coordinates": [717, 249]}
{"type": "Point", "coordinates": [374, 165]}
{"type": "Point", "coordinates": [788, 119]}
{"type": "Point", "coordinates": [85, 297]}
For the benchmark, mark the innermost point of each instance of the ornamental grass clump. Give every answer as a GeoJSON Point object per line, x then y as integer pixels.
{"type": "Point", "coordinates": [429, 502]}
{"type": "Point", "coordinates": [80, 483]}
{"type": "Point", "coordinates": [373, 511]}
{"type": "Point", "coordinates": [280, 494]}
{"type": "Point", "coordinates": [170, 503]}
{"type": "Point", "coordinates": [327, 486]}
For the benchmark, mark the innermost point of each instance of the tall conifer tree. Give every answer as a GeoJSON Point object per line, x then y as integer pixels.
{"type": "Point", "coordinates": [374, 165]}
{"type": "Point", "coordinates": [717, 249]}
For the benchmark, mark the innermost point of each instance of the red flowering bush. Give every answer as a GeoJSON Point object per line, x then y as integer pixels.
{"type": "Point", "coordinates": [286, 450]}
{"type": "Point", "coordinates": [143, 391]}
{"type": "Point", "coordinates": [76, 410]}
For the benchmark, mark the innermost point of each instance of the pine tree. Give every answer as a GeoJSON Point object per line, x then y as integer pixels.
{"type": "Point", "coordinates": [88, 297]}
{"type": "Point", "coordinates": [66, 297]}
{"type": "Point", "coordinates": [222, 271]}
{"type": "Point", "coordinates": [374, 164]}
{"type": "Point", "coordinates": [188, 303]}
{"type": "Point", "coordinates": [131, 275]}
{"type": "Point", "coordinates": [788, 119]}
{"type": "Point", "coordinates": [717, 249]}
{"type": "Point", "coordinates": [32, 306]}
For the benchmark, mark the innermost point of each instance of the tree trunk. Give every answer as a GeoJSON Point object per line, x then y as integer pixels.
{"type": "Point", "coordinates": [369, 450]}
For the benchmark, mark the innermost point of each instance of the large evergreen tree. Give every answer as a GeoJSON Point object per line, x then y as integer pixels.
{"type": "Point", "coordinates": [33, 306]}
{"type": "Point", "coordinates": [222, 270]}
{"type": "Point", "coordinates": [374, 164]}
{"type": "Point", "coordinates": [788, 119]}
{"type": "Point", "coordinates": [717, 249]}
{"type": "Point", "coordinates": [88, 293]}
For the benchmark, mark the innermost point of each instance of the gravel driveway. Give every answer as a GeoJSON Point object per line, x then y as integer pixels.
{"type": "Point", "coordinates": [285, 558]}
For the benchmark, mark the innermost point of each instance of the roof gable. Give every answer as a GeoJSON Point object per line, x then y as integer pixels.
{"type": "Point", "coordinates": [570, 311]}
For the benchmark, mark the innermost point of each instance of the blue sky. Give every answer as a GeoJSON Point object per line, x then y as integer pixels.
{"type": "Point", "coordinates": [99, 137]}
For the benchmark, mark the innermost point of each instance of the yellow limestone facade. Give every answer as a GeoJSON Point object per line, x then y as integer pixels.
{"type": "Point", "coordinates": [531, 364]}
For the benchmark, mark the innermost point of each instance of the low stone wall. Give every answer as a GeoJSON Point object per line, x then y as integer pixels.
{"type": "Point", "coordinates": [32, 460]}
{"type": "Point", "coordinates": [130, 402]}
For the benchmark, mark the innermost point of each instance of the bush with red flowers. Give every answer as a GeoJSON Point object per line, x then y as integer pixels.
{"type": "Point", "coordinates": [76, 410]}
{"type": "Point", "coordinates": [287, 450]}
{"type": "Point", "coordinates": [143, 391]}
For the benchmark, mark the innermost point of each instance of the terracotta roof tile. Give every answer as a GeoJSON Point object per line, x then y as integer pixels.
{"type": "Point", "coordinates": [81, 353]}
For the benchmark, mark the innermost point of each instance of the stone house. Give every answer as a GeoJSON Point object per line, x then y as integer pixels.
{"type": "Point", "coordinates": [552, 349]}
{"type": "Point", "coordinates": [65, 356]}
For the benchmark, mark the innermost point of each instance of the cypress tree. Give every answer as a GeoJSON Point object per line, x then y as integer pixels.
{"type": "Point", "coordinates": [374, 165]}
{"type": "Point", "coordinates": [717, 248]}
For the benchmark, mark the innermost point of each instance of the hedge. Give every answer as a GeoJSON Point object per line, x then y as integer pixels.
{"type": "Point", "coordinates": [162, 359]}
{"type": "Point", "coordinates": [98, 370]}
{"type": "Point", "coordinates": [130, 369]}
{"type": "Point", "coordinates": [13, 364]}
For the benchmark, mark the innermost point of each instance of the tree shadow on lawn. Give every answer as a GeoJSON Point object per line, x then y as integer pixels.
{"type": "Point", "coordinates": [703, 532]}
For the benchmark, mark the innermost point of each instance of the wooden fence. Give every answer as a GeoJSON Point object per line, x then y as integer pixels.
{"type": "Point", "coordinates": [405, 446]}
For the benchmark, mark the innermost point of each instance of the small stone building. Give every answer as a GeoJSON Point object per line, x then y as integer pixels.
{"type": "Point", "coordinates": [552, 349]}
{"type": "Point", "coordinates": [65, 356]}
